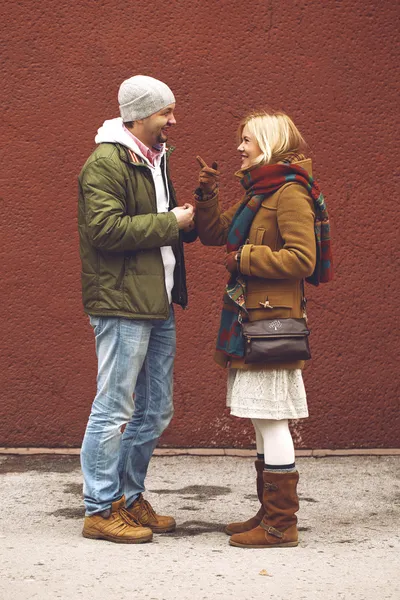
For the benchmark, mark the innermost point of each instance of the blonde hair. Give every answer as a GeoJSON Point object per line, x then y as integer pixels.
{"type": "Point", "coordinates": [276, 134]}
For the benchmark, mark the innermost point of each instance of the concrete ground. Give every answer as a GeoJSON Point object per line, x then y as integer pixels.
{"type": "Point", "coordinates": [348, 521]}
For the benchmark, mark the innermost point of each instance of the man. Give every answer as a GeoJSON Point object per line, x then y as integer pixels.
{"type": "Point", "coordinates": [131, 234]}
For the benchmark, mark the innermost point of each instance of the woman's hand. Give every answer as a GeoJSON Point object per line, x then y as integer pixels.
{"type": "Point", "coordinates": [208, 176]}
{"type": "Point", "coordinates": [231, 262]}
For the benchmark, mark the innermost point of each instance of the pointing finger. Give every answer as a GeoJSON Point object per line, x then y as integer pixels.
{"type": "Point", "coordinates": [209, 171]}
{"type": "Point", "coordinates": [201, 162]}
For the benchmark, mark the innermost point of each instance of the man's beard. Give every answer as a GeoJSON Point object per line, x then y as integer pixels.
{"type": "Point", "coordinates": [162, 138]}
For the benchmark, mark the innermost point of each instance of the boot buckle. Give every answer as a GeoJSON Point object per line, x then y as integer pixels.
{"type": "Point", "coordinates": [271, 530]}
{"type": "Point", "coordinates": [275, 532]}
{"type": "Point", "coordinates": [271, 487]}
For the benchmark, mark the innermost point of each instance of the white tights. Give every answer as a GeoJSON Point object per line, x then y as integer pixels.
{"type": "Point", "coordinates": [274, 440]}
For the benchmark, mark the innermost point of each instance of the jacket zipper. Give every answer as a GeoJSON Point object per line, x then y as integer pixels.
{"type": "Point", "coordinates": [179, 246]}
{"type": "Point", "coordinates": [156, 212]}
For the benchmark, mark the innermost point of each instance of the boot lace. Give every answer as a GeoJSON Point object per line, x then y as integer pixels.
{"type": "Point", "coordinates": [147, 508]}
{"type": "Point", "coordinates": [127, 517]}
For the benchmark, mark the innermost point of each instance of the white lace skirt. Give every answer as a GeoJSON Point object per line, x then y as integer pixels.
{"type": "Point", "coordinates": [277, 394]}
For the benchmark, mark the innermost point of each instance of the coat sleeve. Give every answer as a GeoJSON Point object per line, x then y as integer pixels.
{"type": "Point", "coordinates": [108, 226]}
{"type": "Point", "coordinates": [296, 260]}
{"type": "Point", "coordinates": [213, 225]}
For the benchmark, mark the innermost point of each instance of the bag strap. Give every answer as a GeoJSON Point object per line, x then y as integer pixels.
{"type": "Point", "coordinates": [303, 301]}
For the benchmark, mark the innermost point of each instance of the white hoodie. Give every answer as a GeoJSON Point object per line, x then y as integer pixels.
{"type": "Point", "coordinates": [113, 131]}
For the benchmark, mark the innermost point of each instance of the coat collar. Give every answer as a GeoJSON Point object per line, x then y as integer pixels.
{"type": "Point", "coordinates": [126, 157]}
{"type": "Point", "coordinates": [305, 164]}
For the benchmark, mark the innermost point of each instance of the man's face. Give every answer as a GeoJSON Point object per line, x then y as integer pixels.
{"type": "Point", "coordinates": [156, 127]}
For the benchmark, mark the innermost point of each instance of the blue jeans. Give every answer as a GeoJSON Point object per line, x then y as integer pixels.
{"type": "Point", "coordinates": [134, 388]}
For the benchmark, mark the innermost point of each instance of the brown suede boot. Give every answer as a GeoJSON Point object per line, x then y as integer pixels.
{"type": "Point", "coordinates": [278, 529]}
{"type": "Point", "coordinates": [116, 525]}
{"type": "Point", "coordinates": [144, 513]}
{"type": "Point", "coordinates": [243, 526]}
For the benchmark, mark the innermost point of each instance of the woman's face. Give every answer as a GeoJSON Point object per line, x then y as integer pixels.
{"type": "Point", "coordinates": [249, 149]}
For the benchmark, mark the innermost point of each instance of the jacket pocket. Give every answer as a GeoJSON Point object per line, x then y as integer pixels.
{"type": "Point", "coordinates": [259, 237]}
{"type": "Point", "coordinates": [264, 227]}
{"type": "Point", "coordinates": [121, 275]}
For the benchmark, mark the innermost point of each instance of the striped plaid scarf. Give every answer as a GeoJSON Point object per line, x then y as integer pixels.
{"type": "Point", "coordinates": [259, 183]}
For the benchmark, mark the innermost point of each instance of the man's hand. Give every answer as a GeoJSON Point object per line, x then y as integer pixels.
{"type": "Point", "coordinates": [230, 262]}
{"type": "Point", "coordinates": [208, 176]}
{"type": "Point", "coordinates": [184, 215]}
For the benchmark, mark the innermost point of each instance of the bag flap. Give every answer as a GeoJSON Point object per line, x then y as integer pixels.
{"type": "Point", "coordinates": [274, 327]}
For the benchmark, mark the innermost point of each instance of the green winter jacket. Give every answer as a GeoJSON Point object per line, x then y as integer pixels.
{"type": "Point", "coordinates": [121, 235]}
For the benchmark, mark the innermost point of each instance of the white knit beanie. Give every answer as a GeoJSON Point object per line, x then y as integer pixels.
{"type": "Point", "coordinates": [141, 96]}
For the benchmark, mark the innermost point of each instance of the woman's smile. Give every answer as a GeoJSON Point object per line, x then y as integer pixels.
{"type": "Point", "coordinates": [249, 149]}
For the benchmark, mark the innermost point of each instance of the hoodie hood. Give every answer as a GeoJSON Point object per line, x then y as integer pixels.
{"type": "Point", "coordinates": [114, 132]}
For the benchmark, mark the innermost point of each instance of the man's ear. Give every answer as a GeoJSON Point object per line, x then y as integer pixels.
{"type": "Point", "coordinates": [129, 124]}
{"type": "Point", "coordinates": [136, 125]}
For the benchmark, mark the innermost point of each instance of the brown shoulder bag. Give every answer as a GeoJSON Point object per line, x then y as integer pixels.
{"type": "Point", "coordinates": [277, 340]}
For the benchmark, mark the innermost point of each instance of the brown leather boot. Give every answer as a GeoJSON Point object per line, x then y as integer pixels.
{"type": "Point", "coordinates": [278, 529]}
{"type": "Point", "coordinates": [116, 525]}
{"type": "Point", "coordinates": [144, 513]}
{"type": "Point", "coordinates": [243, 526]}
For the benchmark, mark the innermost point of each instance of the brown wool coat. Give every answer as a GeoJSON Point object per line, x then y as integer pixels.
{"type": "Point", "coordinates": [279, 253]}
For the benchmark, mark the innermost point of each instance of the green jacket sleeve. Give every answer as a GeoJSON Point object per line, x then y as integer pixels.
{"type": "Point", "coordinates": [108, 226]}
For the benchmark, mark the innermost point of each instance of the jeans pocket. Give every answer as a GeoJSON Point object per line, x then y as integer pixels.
{"type": "Point", "coordinates": [96, 323]}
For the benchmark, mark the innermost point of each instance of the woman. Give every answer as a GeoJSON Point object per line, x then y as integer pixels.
{"type": "Point", "coordinates": [276, 236]}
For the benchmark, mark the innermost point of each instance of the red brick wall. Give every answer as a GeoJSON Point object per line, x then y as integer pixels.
{"type": "Point", "coordinates": [332, 66]}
